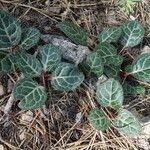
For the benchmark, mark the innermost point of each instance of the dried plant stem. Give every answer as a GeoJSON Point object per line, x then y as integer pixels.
{"type": "Point", "coordinates": [9, 104]}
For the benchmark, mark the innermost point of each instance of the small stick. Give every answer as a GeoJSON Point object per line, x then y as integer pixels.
{"type": "Point", "coordinates": [9, 104]}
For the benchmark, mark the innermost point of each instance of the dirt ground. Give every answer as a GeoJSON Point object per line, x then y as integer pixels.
{"type": "Point", "coordinates": [62, 124]}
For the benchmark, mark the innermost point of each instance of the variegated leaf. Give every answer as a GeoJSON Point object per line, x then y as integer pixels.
{"type": "Point", "coordinates": [50, 56]}
{"type": "Point", "coordinates": [93, 64]}
{"type": "Point", "coordinates": [98, 119]}
{"type": "Point", "coordinates": [110, 94]}
{"type": "Point", "coordinates": [30, 37]}
{"type": "Point", "coordinates": [30, 94]}
{"type": "Point", "coordinates": [66, 77]}
{"type": "Point", "coordinates": [74, 32]}
{"type": "Point", "coordinates": [10, 30]}
{"type": "Point", "coordinates": [127, 123]}
{"type": "Point", "coordinates": [28, 64]}
{"type": "Point", "coordinates": [132, 33]}
{"type": "Point", "coordinates": [140, 68]}
{"type": "Point", "coordinates": [110, 34]}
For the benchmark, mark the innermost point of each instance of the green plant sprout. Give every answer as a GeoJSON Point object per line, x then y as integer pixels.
{"type": "Point", "coordinates": [46, 66]}
{"type": "Point", "coordinates": [127, 6]}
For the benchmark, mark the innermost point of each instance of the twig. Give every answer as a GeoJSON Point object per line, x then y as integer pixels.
{"type": "Point", "coordinates": [9, 104]}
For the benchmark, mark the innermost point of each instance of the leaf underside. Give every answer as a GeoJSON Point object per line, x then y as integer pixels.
{"type": "Point", "coordinates": [30, 94]}
{"type": "Point", "coordinates": [66, 77]}
{"type": "Point", "coordinates": [49, 56]}
{"type": "Point", "coordinates": [132, 33]}
{"type": "Point", "coordinates": [10, 30]}
{"type": "Point", "coordinates": [127, 123]}
{"type": "Point", "coordinates": [74, 32]}
{"type": "Point", "coordinates": [30, 37]}
{"type": "Point", "coordinates": [28, 64]}
{"type": "Point", "coordinates": [93, 64]}
{"type": "Point", "coordinates": [98, 119]}
{"type": "Point", "coordinates": [110, 94]}
{"type": "Point", "coordinates": [141, 67]}
{"type": "Point", "coordinates": [110, 34]}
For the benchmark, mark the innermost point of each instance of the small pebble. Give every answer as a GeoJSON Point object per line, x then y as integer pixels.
{"type": "Point", "coordinates": [27, 117]}
{"type": "Point", "coordinates": [1, 147]}
{"type": "Point", "coordinates": [2, 92]}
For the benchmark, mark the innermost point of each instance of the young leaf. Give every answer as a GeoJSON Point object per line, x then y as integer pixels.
{"type": "Point", "coordinates": [110, 34]}
{"type": "Point", "coordinates": [132, 33]}
{"type": "Point", "coordinates": [50, 56]}
{"type": "Point", "coordinates": [110, 94]}
{"type": "Point", "coordinates": [66, 77]}
{"type": "Point", "coordinates": [98, 119]}
{"type": "Point", "coordinates": [128, 68]}
{"type": "Point", "coordinates": [111, 71]}
{"type": "Point", "coordinates": [109, 54]}
{"type": "Point", "coordinates": [127, 123]}
{"type": "Point", "coordinates": [141, 67]}
{"type": "Point", "coordinates": [93, 64]}
{"type": "Point", "coordinates": [28, 64]}
{"type": "Point", "coordinates": [74, 32]}
{"type": "Point", "coordinates": [10, 30]}
{"type": "Point", "coordinates": [6, 65]}
{"type": "Point", "coordinates": [30, 94]}
{"type": "Point", "coordinates": [30, 37]}
{"type": "Point", "coordinates": [133, 90]}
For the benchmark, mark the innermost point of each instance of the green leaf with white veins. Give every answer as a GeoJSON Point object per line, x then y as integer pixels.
{"type": "Point", "coordinates": [140, 68]}
{"type": "Point", "coordinates": [110, 94]}
{"type": "Point", "coordinates": [6, 65]}
{"type": "Point", "coordinates": [50, 56]}
{"type": "Point", "coordinates": [133, 89]}
{"type": "Point", "coordinates": [10, 30]}
{"type": "Point", "coordinates": [98, 119]}
{"type": "Point", "coordinates": [66, 77]}
{"type": "Point", "coordinates": [109, 54]}
{"type": "Point", "coordinates": [112, 71]}
{"type": "Point", "coordinates": [28, 64]}
{"type": "Point", "coordinates": [127, 123]}
{"type": "Point", "coordinates": [74, 32]}
{"type": "Point", "coordinates": [30, 37]}
{"type": "Point", "coordinates": [110, 34]}
{"type": "Point", "coordinates": [93, 64]}
{"type": "Point", "coordinates": [132, 33]}
{"type": "Point", "coordinates": [30, 94]}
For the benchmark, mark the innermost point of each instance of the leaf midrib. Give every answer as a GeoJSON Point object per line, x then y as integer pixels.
{"type": "Point", "coordinates": [35, 71]}
{"type": "Point", "coordinates": [6, 30]}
